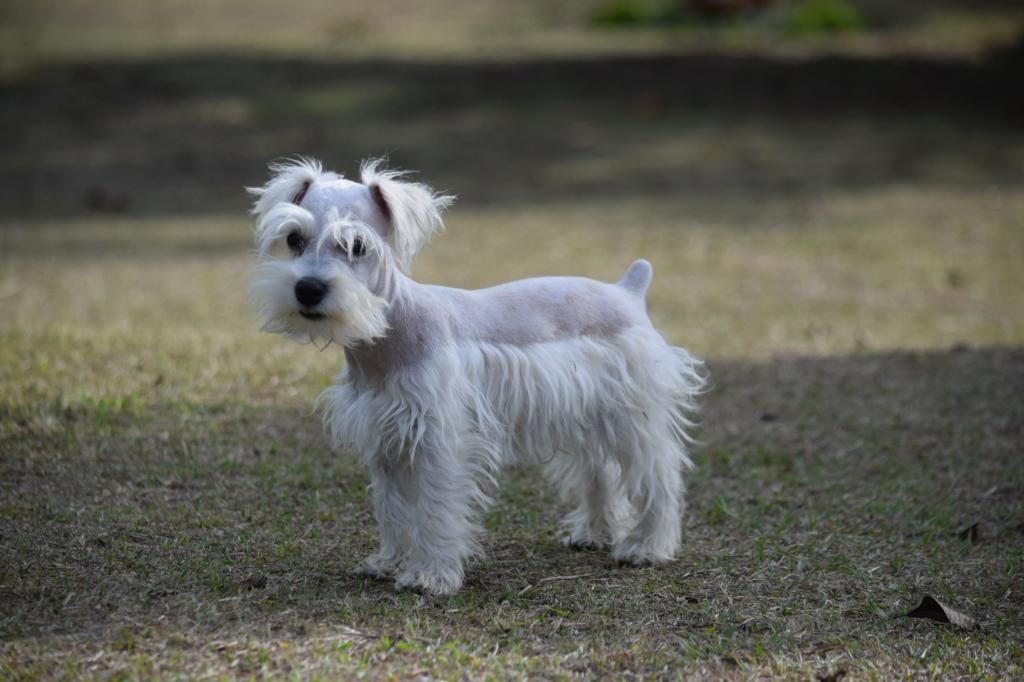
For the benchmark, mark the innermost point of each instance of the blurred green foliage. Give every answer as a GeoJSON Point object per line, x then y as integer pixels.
{"type": "Point", "coordinates": [821, 17]}
{"type": "Point", "coordinates": [631, 13]}
{"type": "Point", "coordinates": [800, 18]}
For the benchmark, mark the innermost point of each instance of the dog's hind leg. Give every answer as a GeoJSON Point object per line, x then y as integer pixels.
{"type": "Point", "coordinates": [593, 488]}
{"type": "Point", "coordinates": [656, 489]}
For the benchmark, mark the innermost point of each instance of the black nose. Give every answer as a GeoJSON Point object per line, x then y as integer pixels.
{"type": "Point", "coordinates": [310, 291]}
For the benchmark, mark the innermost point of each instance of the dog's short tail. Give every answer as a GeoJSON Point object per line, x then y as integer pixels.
{"type": "Point", "coordinates": [637, 278]}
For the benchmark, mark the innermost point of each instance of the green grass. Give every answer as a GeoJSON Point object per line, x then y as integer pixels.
{"type": "Point", "coordinates": [850, 268]}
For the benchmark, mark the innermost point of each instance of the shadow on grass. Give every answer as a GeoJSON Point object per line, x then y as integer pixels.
{"type": "Point", "coordinates": [184, 135]}
{"type": "Point", "coordinates": [238, 519]}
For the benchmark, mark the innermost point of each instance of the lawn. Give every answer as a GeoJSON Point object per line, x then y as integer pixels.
{"type": "Point", "coordinates": [840, 236]}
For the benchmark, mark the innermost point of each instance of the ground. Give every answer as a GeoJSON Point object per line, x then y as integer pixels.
{"type": "Point", "coordinates": [840, 235]}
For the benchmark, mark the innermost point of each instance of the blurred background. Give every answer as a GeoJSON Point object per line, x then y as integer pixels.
{"type": "Point", "coordinates": [808, 176]}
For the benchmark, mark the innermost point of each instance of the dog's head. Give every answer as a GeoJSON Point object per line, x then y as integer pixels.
{"type": "Point", "coordinates": [328, 248]}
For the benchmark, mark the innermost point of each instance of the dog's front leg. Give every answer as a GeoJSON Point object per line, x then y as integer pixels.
{"type": "Point", "coordinates": [393, 488]}
{"type": "Point", "coordinates": [442, 534]}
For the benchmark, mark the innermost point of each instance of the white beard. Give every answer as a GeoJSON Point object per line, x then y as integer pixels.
{"type": "Point", "coordinates": [352, 313]}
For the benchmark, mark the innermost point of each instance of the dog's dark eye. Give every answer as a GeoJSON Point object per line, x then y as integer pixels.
{"type": "Point", "coordinates": [296, 242]}
{"type": "Point", "coordinates": [358, 248]}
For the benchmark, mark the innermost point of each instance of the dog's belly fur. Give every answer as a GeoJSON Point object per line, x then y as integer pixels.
{"type": "Point", "coordinates": [528, 401]}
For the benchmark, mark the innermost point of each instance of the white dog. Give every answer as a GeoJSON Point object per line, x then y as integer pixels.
{"type": "Point", "coordinates": [445, 386]}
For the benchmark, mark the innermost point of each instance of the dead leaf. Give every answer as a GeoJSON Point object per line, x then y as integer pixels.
{"type": "Point", "coordinates": [253, 582]}
{"type": "Point", "coordinates": [971, 533]}
{"type": "Point", "coordinates": [832, 677]}
{"type": "Point", "coordinates": [932, 609]}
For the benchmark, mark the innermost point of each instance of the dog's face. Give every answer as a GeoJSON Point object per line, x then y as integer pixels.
{"type": "Point", "coordinates": [320, 279]}
{"type": "Point", "coordinates": [328, 250]}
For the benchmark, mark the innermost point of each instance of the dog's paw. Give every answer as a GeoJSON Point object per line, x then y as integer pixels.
{"type": "Point", "coordinates": [582, 536]}
{"type": "Point", "coordinates": [376, 566]}
{"type": "Point", "coordinates": [438, 584]}
{"type": "Point", "coordinates": [639, 554]}
{"type": "Point", "coordinates": [638, 561]}
{"type": "Point", "coordinates": [582, 542]}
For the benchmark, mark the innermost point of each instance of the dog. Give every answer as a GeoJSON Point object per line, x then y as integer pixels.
{"type": "Point", "coordinates": [443, 387]}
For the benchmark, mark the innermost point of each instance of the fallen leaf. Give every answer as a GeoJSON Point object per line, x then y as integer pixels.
{"type": "Point", "coordinates": [254, 582]}
{"type": "Point", "coordinates": [932, 609]}
{"type": "Point", "coordinates": [971, 533]}
{"type": "Point", "coordinates": [832, 677]}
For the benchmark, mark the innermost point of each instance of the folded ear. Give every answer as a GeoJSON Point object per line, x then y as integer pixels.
{"type": "Point", "coordinates": [412, 210]}
{"type": "Point", "coordinates": [290, 182]}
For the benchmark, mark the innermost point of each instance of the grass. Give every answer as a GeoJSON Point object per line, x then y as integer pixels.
{"type": "Point", "coordinates": [158, 453]}
{"type": "Point", "coordinates": [847, 262]}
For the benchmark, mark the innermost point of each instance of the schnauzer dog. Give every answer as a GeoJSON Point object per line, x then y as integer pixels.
{"type": "Point", "coordinates": [443, 387]}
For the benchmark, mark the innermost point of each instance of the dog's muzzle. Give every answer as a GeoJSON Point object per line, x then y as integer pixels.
{"type": "Point", "coordinates": [309, 291]}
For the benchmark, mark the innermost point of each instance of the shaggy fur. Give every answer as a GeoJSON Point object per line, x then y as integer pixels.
{"type": "Point", "coordinates": [443, 387]}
